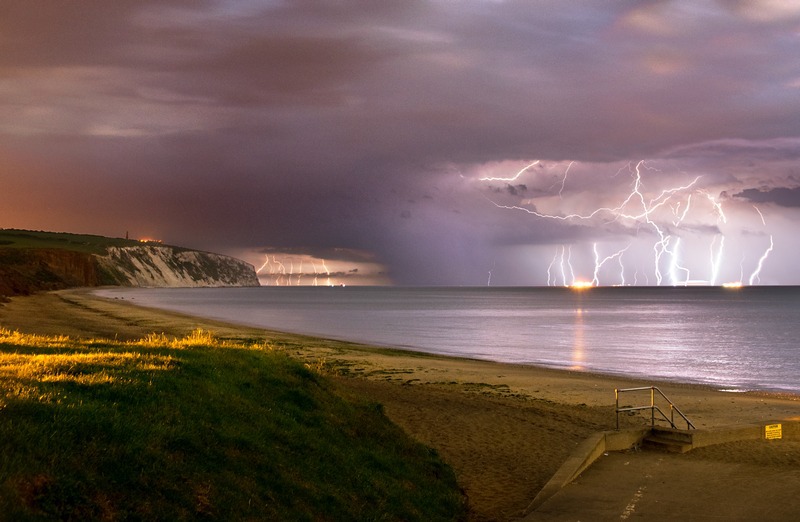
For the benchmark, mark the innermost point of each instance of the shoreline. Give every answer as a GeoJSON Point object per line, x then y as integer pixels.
{"type": "Point", "coordinates": [125, 319]}
{"type": "Point", "coordinates": [463, 408]}
{"type": "Point", "coordinates": [611, 354]}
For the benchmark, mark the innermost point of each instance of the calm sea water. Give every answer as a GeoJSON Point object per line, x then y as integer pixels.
{"type": "Point", "coordinates": [743, 339]}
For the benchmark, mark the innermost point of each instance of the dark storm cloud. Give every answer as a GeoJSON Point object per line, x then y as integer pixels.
{"type": "Point", "coordinates": [785, 197]}
{"type": "Point", "coordinates": [311, 125]}
{"type": "Point", "coordinates": [741, 151]}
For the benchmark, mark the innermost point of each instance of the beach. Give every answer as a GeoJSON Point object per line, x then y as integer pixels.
{"type": "Point", "coordinates": [505, 429]}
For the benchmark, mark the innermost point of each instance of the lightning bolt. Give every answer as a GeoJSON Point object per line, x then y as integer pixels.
{"type": "Point", "coordinates": [763, 221]}
{"type": "Point", "coordinates": [563, 180]}
{"type": "Point", "coordinates": [550, 280]}
{"type": "Point", "coordinates": [281, 271]}
{"type": "Point", "coordinates": [718, 207]}
{"type": "Point", "coordinates": [569, 264]}
{"type": "Point", "coordinates": [676, 210]}
{"type": "Point", "coordinates": [621, 270]}
{"type": "Point", "coordinates": [676, 267]}
{"type": "Point", "coordinates": [316, 273]}
{"type": "Point", "coordinates": [515, 176]}
{"type": "Point", "coordinates": [755, 276]}
{"type": "Point", "coordinates": [328, 273]}
{"type": "Point", "coordinates": [598, 264]}
{"type": "Point", "coordinates": [563, 257]}
{"type": "Point", "coordinates": [716, 260]}
{"type": "Point", "coordinates": [262, 267]}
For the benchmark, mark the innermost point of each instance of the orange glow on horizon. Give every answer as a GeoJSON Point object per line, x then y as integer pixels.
{"type": "Point", "coordinates": [581, 285]}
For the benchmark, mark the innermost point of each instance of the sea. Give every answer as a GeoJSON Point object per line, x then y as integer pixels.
{"type": "Point", "coordinates": [734, 339]}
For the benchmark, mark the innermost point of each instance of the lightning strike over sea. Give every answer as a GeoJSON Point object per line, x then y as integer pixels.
{"type": "Point", "coordinates": [680, 218]}
{"type": "Point", "coordinates": [755, 276]}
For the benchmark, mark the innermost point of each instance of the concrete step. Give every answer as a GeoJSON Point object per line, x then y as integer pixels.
{"type": "Point", "coordinates": [674, 442]}
{"type": "Point", "coordinates": [686, 436]}
{"type": "Point", "coordinates": [669, 445]}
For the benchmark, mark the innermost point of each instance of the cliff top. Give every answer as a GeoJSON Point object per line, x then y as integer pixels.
{"type": "Point", "coordinates": [85, 243]}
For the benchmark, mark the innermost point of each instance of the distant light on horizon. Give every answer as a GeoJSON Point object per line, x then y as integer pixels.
{"type": "Point", "coordinates": [734, 284]}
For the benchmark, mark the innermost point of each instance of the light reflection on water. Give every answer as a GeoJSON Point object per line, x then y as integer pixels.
{"type": "Point", "coordinates": [577, 345]}
{"type": "Point", "coordinates": [734, 339]}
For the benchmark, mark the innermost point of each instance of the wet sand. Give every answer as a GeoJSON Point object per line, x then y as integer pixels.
{"type": "Point", "coordinates": [505, 429]}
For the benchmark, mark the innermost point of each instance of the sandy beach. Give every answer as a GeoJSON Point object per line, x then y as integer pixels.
{"type": "Point", "coordinates": [505, 429]}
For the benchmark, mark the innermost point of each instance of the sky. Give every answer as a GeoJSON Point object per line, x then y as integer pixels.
{"type": "Point", "coordinates": [439, 142]}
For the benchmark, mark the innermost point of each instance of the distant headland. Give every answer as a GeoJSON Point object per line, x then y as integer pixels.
{"type": "Point", "coordinates": [34, 261]}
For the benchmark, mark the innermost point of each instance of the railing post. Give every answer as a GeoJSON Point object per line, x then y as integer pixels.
{"type": "Point", "coordinates": [652, 406]}
{"type": "Point", "coordinates": [616, 400]}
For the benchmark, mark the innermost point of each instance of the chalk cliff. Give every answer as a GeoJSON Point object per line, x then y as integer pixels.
{"type": "Point", "coordinates": [27, 270]}
{"type": "Point", "coordinates": [165, 266]}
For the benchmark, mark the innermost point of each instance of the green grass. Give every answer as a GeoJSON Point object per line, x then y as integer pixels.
{"type": "Point", "coordinates": [198, 428]}
{"type": "Point", "coordinates": [61, 240]}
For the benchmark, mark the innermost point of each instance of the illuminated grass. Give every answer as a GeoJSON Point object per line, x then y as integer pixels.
{"type": "Point", "coordinates": [181, 429]}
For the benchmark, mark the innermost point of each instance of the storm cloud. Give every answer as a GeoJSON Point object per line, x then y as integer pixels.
{"type": "Point", "coordinates": [288, 128]}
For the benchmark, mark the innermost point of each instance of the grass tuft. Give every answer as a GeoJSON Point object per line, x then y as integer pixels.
{"type": "Point", "coordinates": [199, 428]}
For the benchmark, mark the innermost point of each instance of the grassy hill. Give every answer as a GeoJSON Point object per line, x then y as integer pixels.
{"type": "Point", "coordinates": [84, 243]}
{"type": "Point", "coordinates": [197, 428]}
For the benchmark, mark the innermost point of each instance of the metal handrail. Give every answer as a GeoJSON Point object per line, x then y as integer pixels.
{"type": "Point", "coordinates": [652, 407]}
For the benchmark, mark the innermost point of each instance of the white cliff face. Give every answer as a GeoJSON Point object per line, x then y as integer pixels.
{"type": "Point", "coordinates": [164, 266]}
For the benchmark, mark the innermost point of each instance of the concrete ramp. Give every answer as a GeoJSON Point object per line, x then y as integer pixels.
{"type": "Point", "coordinates": [617, 475]}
